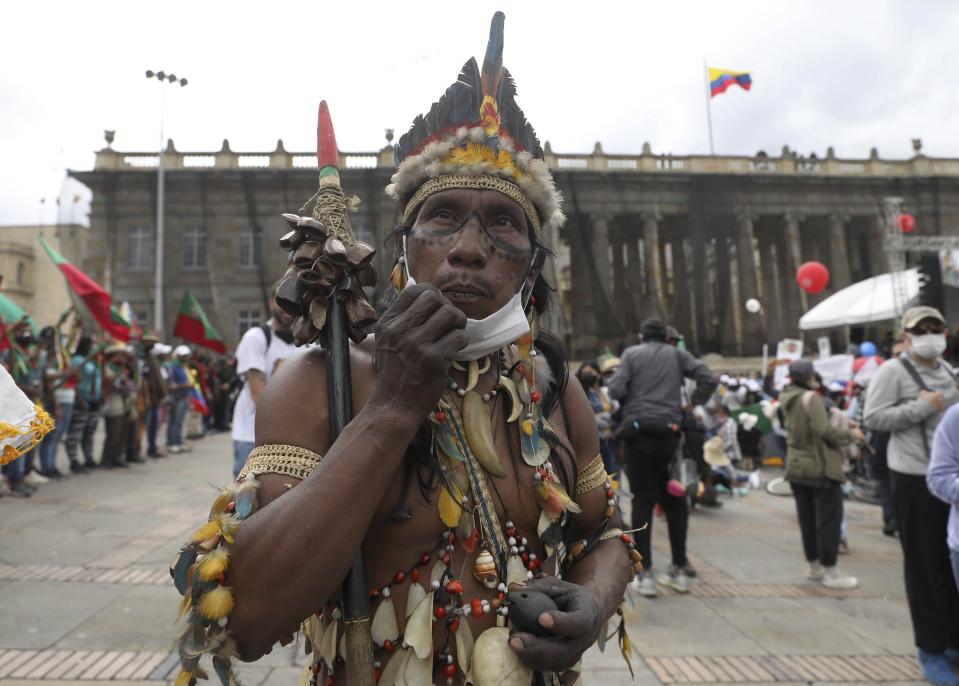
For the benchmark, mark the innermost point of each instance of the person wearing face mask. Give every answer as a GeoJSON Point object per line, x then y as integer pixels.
{"type": "Point", "coordinates": [259, 354]}
{"type": "Point", "coordinates": [907, 397]}
{"type": "Point", "coordinates": [814, 470]}
{"type": "Point", "coordinates": [469, 456]}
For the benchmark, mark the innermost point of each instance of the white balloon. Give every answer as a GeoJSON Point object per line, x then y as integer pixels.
{"type": "Point", "coordinates": [753, 306]}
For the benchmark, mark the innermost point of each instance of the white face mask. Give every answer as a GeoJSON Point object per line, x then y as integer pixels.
{"type": "Point", "coordinates": [485, 336]}
{"type": "Point", "coordinates": [929, 346]}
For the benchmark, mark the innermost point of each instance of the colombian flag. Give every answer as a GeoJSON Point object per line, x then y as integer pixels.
{"type": "Point", "coordinates": [721, 79]}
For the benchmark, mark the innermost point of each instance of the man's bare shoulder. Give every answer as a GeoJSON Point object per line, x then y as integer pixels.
{"type": "Point", "coordinates": [293, 407]}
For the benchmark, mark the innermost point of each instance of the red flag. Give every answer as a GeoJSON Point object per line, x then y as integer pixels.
{"type": "Point", "coordinates": [98, 302]}
{"type": "Point", "coordinates": [193, 326]}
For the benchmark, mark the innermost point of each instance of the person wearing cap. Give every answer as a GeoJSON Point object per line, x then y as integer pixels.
{"type": "Point", "coordinates": [117, 389]}
{"type": "Point", "coordinates": [86, 406]}
{"type": "Point", "coordinates": [907, 397]}
{"type": "Point", "coordinates": [154, 390]}
{"type": "Point", "coordinates": [814, 470]}
{"type": "Point", "coordinates": [179, 388]}
{"type": "Point", "coordinates": [648, 384]}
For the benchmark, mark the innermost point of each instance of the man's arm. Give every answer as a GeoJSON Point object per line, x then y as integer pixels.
{"type": "Point", "coordinates": [703, 376]}
{"type": "Point", "coordinates": [290, 556]}
{"type": "Point", "coordinates": [884, 411]}
{"type": "Point", "coordinates": [594, 585]}
{"type": "Point", "coordinates": [943, 475]}
{"type": "Point", "coordinates": [256, 380]}
{"type": "Point", "coordinates": [619, 383]}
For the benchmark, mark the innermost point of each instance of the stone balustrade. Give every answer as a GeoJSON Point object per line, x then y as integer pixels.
{"type": "Point", "coordinates": [788, 163]}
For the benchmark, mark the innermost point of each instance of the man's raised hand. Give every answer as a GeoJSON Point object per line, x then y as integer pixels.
{"type": "Point", "coordinates": [416, 340]}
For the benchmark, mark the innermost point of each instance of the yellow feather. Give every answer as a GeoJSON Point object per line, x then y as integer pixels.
{"type": "Point", "coordinates": [219, 505]}
{"type": "Point", "coordinates": [183, 678]}
{"type": "Point", "coordinates": [214, 564]}
{"type": "Point", "coordinates": [227, 524]}
{"type": "Point", "coordinates": [185, 605]}
{"type": "Point", "coordinates": [208, 530]}
{"type": "Point", "coordinates": [450, 509]}
{"type": "Point", "coordinates": [217, 603]}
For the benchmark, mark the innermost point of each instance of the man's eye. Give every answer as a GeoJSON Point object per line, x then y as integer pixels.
{"type": "Point", "coordinates": [504, 221]}
{"type": "Point", "coordinates": [443, 214]}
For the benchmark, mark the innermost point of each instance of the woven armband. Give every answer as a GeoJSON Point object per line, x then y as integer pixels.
{"type": "Point", "coordinates": [276, 458]}
{"type": "Point", "coordinates": [593, 476]}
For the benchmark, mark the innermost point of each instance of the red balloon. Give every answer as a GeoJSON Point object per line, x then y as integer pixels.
{"type": "Point", "coordinates": [812, 277]}
{"type": "Point", "coordinates": [906, 223]}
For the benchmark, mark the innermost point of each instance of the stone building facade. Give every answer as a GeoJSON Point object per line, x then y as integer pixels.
{"type": "Point", "coordinates": [689, 238]}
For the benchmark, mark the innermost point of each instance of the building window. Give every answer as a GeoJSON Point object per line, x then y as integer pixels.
{"type": "Point", "coordinates": [246, 319]}
{"type": "Point", "coordinates": [138, 248]}
{"type": "Point", "coordinates": [194, 248]}
{"type": "Point", "coordinates": [21, 273]}
{"type": "Point", "coordinates": [250, 242]}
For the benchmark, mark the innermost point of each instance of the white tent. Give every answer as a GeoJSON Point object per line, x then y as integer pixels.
{"type": "Point", "coordinates": [867, 301]}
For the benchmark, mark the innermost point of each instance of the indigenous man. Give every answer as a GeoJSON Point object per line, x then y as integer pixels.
{"type": "Point", "coordinates": [469, 458]}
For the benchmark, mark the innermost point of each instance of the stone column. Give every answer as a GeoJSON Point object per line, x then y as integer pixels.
{"type": "Point", "coordinates": [878, 257]}
{"type": "Point", "coordinates": [772, 312]}
{"type": "Point", "coordinates": [793, 260]}
{"type": "Point", "coordinates": [634, 282]}
{"type": "Point", "coordinates": [682, 289]}
{"type": "Point", "coordinates": [654, 265]}
{"type": "Point", "coordinates": [840, 274]}
{"type": "Point", "coordinates": [600, 221]}
{"type": "Point", "coordinates": [730, 318]}
{"type": "Point", "coordinates": [747, 282]}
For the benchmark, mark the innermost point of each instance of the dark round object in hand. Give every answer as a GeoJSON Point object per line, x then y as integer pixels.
{"type": "Point", "coordinates": [525, 607]}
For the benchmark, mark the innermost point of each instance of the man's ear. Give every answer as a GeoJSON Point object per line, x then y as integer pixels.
{"type": "Point", "coordinates": [536, 268]}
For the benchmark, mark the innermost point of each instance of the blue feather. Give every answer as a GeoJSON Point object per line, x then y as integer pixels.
{"type": "Point", "coordinates": [181, 568]}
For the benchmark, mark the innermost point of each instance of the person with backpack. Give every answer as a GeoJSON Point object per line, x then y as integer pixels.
{"type": "Point", "coordinates": [907, 397]}
{"type": "Point", "coordinates": [814, 471]}
{"type": "Point", "coordinates": [649, 384]}
{"type": "Point", "coordinates": [260, 353]}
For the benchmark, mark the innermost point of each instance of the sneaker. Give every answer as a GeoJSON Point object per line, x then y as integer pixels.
{"type": "Point", "coordinates": [936, 668]}
{"type": "Point", "coordinates": [54, 474]}
{"type": "Point", "coordinates": [34, 478]}
{"type": "Point", "coordinates": [78, 468]}
{"type": "Point", "coordinates": [690, 571]}
{"type": "Point", "coordinates": [843, 548]}
{"type": "Point", "coordinates": [890, 528]}
{"type": "Point", "coordinates": [174, 449]}
{"type": "Point", "coordinates": [91, 465]}
{"type": "Point", "coordinates": [645, 585]}
{"type": "Point", "coordinates": [136, 460]}
{"type": "Point", "coordinates": [833, 578]}
{"type": "Point", "coordinates": [676, 579]}
{"type": "Point", "coordinates": [20, 490]}
{"type": "Point", "coordinates": [814, 573]}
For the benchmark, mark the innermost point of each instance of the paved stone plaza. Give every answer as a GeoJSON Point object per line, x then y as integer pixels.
{"type": "Point", "coordinates": [85, 594]}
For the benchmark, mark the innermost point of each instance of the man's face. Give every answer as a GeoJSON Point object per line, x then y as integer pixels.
{"type": "Point", "coordinates": [282, 319]}
{"type": "Point", "coordinates": [927, 326]}
{"type": "Point", "coordinates": [474, 245]}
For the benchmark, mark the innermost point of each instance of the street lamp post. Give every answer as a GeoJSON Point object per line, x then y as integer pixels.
{"type": "Point", "coordinates": [163, 78]}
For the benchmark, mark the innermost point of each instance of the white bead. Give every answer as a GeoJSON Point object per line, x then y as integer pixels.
{"type": "Point", "coordinates": [454, 385]}
{"type": "Point", "coordinates": [337, 613]}
{"type": "Point", "coordinates": [402, 259]}
{"type": "Point", "coordinates": [524, 541]}
{"type": "Point", "coordinates": [460, 392]}
{"type": "Point", "coordinates": [509, 523]}
{"type": "Point", "coordinates": [446, 535]}
{"type": "Point", "coordinates": [386, 592]}
{"type": "Point", "coordinates": [435, 585]}
{"type": "Point", "coordinates": [537, 476]}
{"type": "Point", "coordinates": [501, 588]}
{"type": "Point", "coordinates": [514, 550]}
{"type": "Point", "coordinates": [377, 664]}
{"type": "Point", "coordinates": [487, 609]}
{"type": "Point", "coordinates": [504, 611]}
{"type": "Point", "coordinates": [522, 548]}
{"type": "Point", "coordinates": [486, 397]}
{"type": "Point", "coordinates": [466, 611]}
{"type": "Point", "coordinates": [450, 548]}
{"type": "Point", "coordinates": [512, 540]}
{"type": "Point", "coordinates": [449, 659]}
{"type": "Point", "coordinates": [222, 621]}
{"type": "Point", "coordinates": [610, 502]}
{"type": "Point", "coordinates": [404, 645]}
{"type": "Point", "coordinates": [529, 575]}
{"type": "Point", "coordinates": [532, 556]}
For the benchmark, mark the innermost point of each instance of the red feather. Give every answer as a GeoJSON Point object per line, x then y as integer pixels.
{"type": "Point", "coordinates": [327, 154]}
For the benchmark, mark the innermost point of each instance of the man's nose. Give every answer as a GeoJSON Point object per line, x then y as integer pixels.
{"type": "Point", "coordinates": [470, 246]}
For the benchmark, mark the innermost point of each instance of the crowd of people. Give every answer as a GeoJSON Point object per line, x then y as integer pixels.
{"type": "Point", "coordinates": [134, 389]}
{"type": "Point", "coordinates": [683, 434]}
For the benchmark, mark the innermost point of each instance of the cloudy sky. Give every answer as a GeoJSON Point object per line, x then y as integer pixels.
{"type": "Point", "coordinates": [851, 74]}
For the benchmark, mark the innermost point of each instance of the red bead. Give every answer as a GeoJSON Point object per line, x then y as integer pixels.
{"type": "Point", "coordinates": [415, 575]}
{"type": "Point", "coordinates": [525, 557]}
{"type": "Point", "coordinates": [424, 559]}
{"type": "Point", "coordinates": [446, 559]}
{"type": "Point", "coordinates": [452, 538]}
{"type": "Point", "coordinates": [452, 624]}
{"type": "Point", "coordinates": [377, 674]}
{"type": "Point", "coordinates": [454, 587]}
{"type": "Point", "coordinates": [441, 416]}
{"type": "Point", "coordinates": [330, 681]}
{"type": "Point", "coordinates": [316, 668]}
{"type": "Point", "coordinates": [609, 493]}
{"type": "Point", "coordinates": [535, 396]}
{"type": "Point", "coordinates": [230, 506]}
{"type": "Point", "coordinates": [449, 671]}
{"type": "Point", "coordinates": [476, 607]}
{"type": "Point", "coordinates": [533, 565]}
{"type": "Point", "coordinates": [627, 538]}
{"type": "Point", "coordinates": [439, 612]}
{"type": "Point", "coordinates": [388, 646]}
{"type": "Point", "coordinates": [374, 593]}
{"type": "Point", "coordinates": [510, 531]}
{"type": "Point", "coordinates": [399, 578]}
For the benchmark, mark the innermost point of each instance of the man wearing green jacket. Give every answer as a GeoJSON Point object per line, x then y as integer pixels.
{"type": "Point", "coordinates": [814, 470]}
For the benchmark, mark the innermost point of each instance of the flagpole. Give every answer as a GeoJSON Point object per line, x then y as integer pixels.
{"type": "Point", "coordinates": [709, 110]}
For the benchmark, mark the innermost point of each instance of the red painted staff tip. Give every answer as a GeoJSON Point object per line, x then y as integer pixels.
{"type": "Point", "coordinates": [327, 154]}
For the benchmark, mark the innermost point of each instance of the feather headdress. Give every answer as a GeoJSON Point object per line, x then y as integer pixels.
{"type": "Point", "coordinates": [476, 136]}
